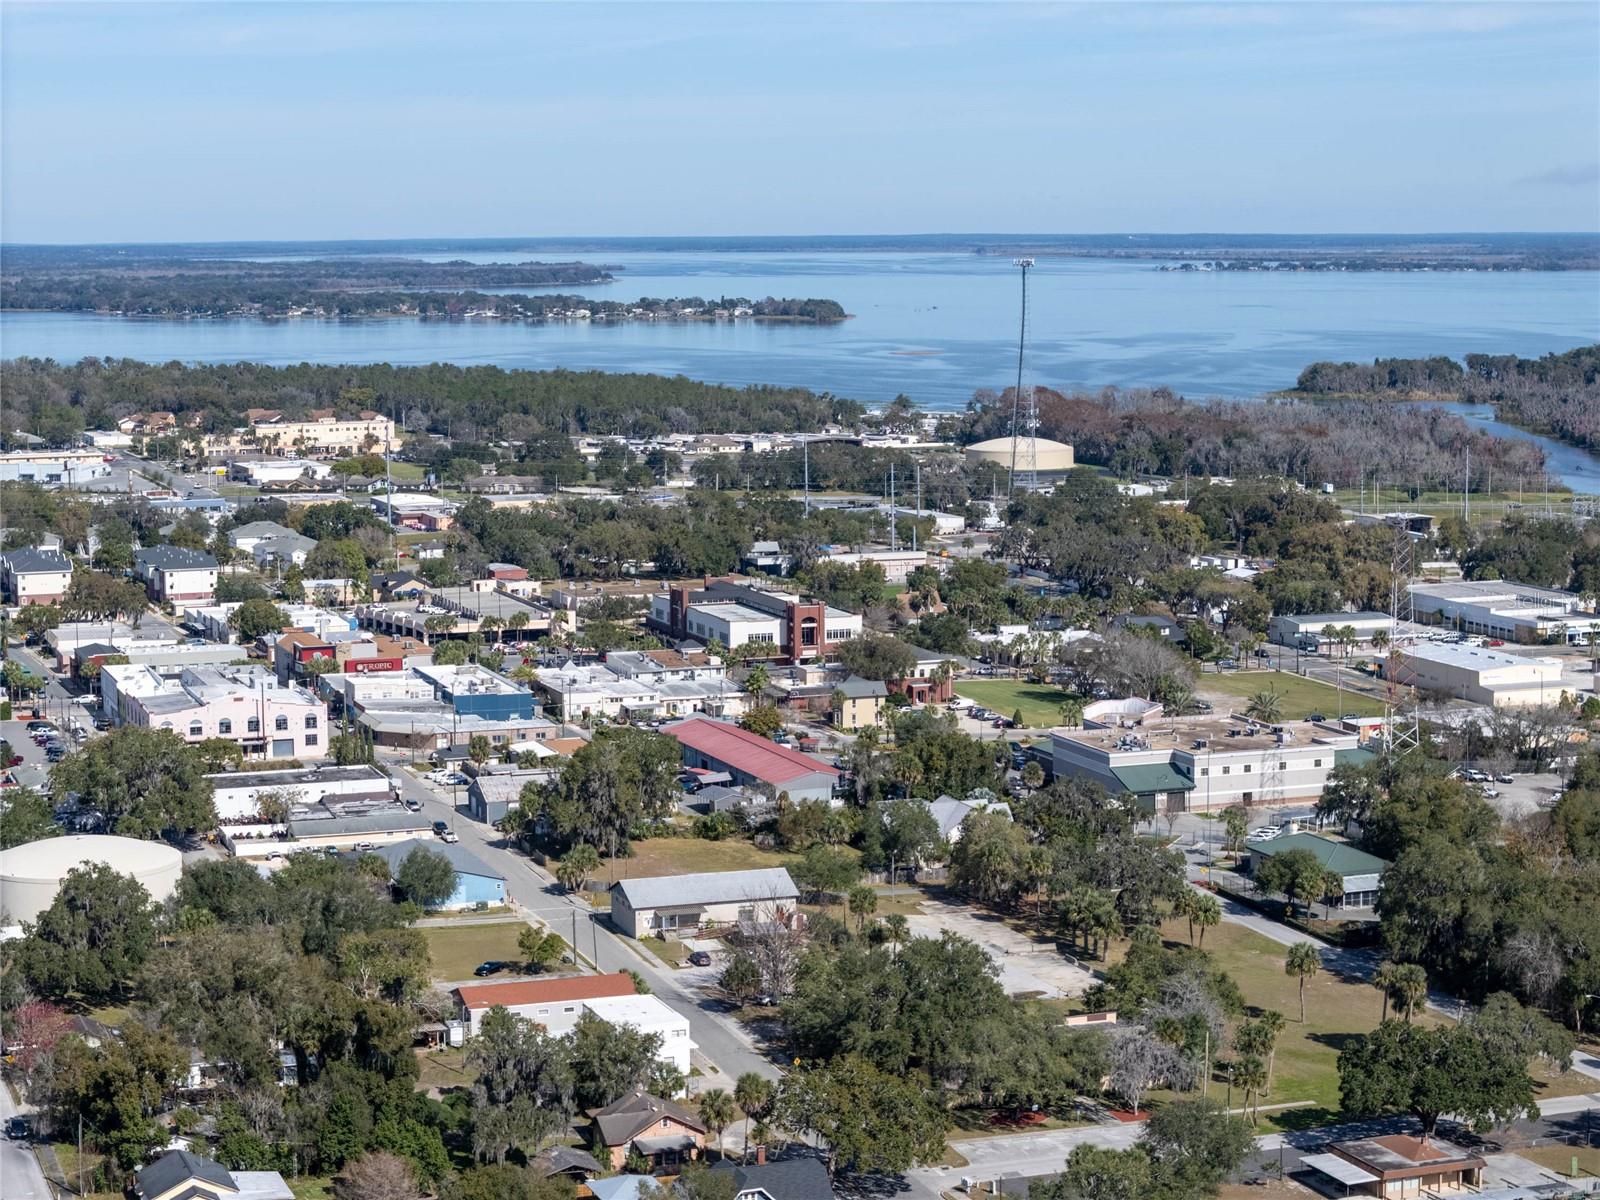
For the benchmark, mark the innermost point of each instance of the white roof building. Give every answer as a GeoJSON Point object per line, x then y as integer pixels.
{"type": "Point", "coordinates": [1483, 676]}
{"type": "Point", "coordinates": [1513, 612]}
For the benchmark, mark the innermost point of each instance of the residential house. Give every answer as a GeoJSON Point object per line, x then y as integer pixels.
{"type": "Point", "coordinates": [182, 1175]}
{"type": "Point", "coordinates": [1398, 1165]}
{"type": "Point", "coordinates": [665, 1134]}
{"type": "Point", "coordinates": [858, 703]}
{"type": "Point", "coordinates": [270, 543]}
{"type": "Point", "coordinates": [931, 680]}
{"type": "Point", "coordinates": [791, 1179]}
{"type": "Point", "coordinates": [398, 585]}
{"type": "Point", "coordinates": [35, 576]}
{"type": "Point", "coordinates": [175, 574]}
{"type": "Point", "coordinates": [950, 814]}
{"type": "Point", "coordinates": [663, 904]}
{"type": "Point", "coordinates": [476, 884]}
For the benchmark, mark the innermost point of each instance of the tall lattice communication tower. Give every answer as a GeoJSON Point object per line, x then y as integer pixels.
{"type": "Point", "coordinates": [1402, 730]}
{"type": "Point", "coordinates": [1024, 449]}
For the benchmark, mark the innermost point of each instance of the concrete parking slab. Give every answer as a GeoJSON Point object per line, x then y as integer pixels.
{"type": "Point", "coordinates": [1025, 965]}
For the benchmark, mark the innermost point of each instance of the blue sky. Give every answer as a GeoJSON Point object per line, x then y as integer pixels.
{"type": "Point", "coordinates": [195, 122]}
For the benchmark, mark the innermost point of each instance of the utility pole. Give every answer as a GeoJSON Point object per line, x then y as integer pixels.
{"type": "Point", "coordinates": [805, 446]}
{"type": "Point", "coordinates": [1466, 488]}
{"type": "Point", "coordinates": [894, 532]}
{"type": "Point", "coordinates": [1025, 264]}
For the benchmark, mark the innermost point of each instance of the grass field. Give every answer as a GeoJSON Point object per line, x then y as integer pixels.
{"type": "Point", "coordinates": [1300, 696]}
{"type": "Point", "coordinates": [457, 949]}
{"type": "Point", "coordinates": [685, 856]}
{"type": "Point", "coordinates": [1559, 1158]}
{"type": "Point", "coordinates": [445, 1067]}
{"type": "Point", "coordinates": [311, 1187]}
{"type": "Point", "coordinates": [1040, 703]}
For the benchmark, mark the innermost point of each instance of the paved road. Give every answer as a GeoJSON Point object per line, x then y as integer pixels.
{"type": "Point", "coordinates": [718, 1036]}
{"type": "Point", "coordinates": [20, 1176]}
{"type": "Point", "coordinates": [1016, 1158]}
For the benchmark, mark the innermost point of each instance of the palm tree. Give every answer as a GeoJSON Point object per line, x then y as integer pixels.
{"type": "Point", "coordinates": [1379, 639]}
{"type": "Point", "coordinates": [1272, 1023]}
{"type": "Point", "coordinates": [1183, 906]}
{"type": "Point", "coordinates": [862, 902]}
{"type": "Point", "coordinates": [1251, 1074]}
{"type": "Point", "coordinates": [492, 625]}
{"type": "Point", "coordinates": [1266, 707]}
{"type": "Point", "coordinates": [754, 1095]}
{"type": "Point", "coordinates": [1204, 912]}
{"type": "Point", "coordinates": [1383, 980]}
{"type": "Point", "coordinates": [718, 1112]}
{"type": "Point", "coordinates": [1072, 713]}
{"type": "Point", "coordinates": [1410, 983]}
{"type": "Point", "coordinates": [1332, 886]}
{"type": "Point", "coordinates": [576, 865]}
{"type": "Point", "coordinates": [1302, 963]}
{"type": "Point", "coordinates": [898, 929]}
{"type": "Point", "coordinates": [756, 680]}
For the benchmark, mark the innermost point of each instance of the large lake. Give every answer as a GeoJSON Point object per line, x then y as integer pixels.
{"type": "Point", "coordinates": [935, 326]}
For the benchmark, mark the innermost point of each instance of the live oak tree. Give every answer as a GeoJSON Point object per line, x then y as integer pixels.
{"type": "Point", "coordinates": [540, 948]}
{"type": "Point", "coordinates": [92, 939]}
{"type": "Point", "coordinates": [26, 817]}
{"type": "Point", "coordinates": [145, 781]}
{"type": "Point", "coordinates": [425, 877]}
{"type": "Point", "coordinates": [1429, 1071]}
{"type": "Point", "coordinates": [608, 1060]}
{"type": "Point", "coordinates": [868, 1120]}
{"type": "Point", "coordinates": [622, 778]}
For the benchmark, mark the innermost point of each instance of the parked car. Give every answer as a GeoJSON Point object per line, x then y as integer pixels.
{"type": "Point", "coordinates": [1472, 775]}
{"type": "Point", "coordinates": [33, 726]}
{"type": "Point", "coordinates": [19, 1128]}
{"type": "Point", "coordinates": [450, 835]}
{"type": "Point", "coordinates": [412, 804]}
{"type": "Point", "coordinates": [456, 779]}
{"type": "Point", "coordinates": [362, 847]}
{"type": "Point", "coordinates": [1504, 779]}
{"type": "Point", "coordinates": [1228, 664]}
{"type": "Point", "coordinates": [493, 966]}
{"type": "Point", "coordinates": [700, 958]}
{"type": "Point", "coordinates": [440, 828]}
{"type": "Point", "coordinates": [1264, 834]}
{"type": "Point", "coordinates": [102, 723]}
{"type": "Point", "coordinates": [1490, 793]}
{"type": "Point", "coordinates": [55, 754]}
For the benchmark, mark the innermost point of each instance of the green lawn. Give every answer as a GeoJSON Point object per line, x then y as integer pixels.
{"type": "Point", "coordinates": [1040, 703]}
{"type": "Point", "coordinates": [688, 855]}
{"type": "Point", "coordinates": [1559, 1158]}
{"type": "Point", "coordinates": [456, 950]}
{"type": "Point", "coordinates": [311, 1187]}
{"type": "Point", "coordinates": [1300, 696]}
{"type": "Point", "coordinates": [445, 1067]}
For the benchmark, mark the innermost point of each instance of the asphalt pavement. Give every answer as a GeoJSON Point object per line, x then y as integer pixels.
{"type": "Point", "coordinates": [20, 1175]}
{"type": "Point", "coordinates": [717, 1035]}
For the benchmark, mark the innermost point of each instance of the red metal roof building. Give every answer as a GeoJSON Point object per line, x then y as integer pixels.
{"type": "Point", "coordinates": [751, 760]}
{"type": "Point", "coordinates": [524, 997]}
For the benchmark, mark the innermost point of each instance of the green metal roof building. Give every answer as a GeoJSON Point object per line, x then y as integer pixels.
{"type": "Point", "coordinates": [1361, 873]}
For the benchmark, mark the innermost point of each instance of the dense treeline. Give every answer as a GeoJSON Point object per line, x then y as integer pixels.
{"type": "Point", "coordinates": [1162, 433]}
{"type": "Point", "coordinates": [467, 403]}
{"type": "Point", "coordinates": [1558, 394]}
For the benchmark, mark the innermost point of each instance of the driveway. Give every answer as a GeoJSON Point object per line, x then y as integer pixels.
{"type": "Point", "coordinates": [1025, 965]}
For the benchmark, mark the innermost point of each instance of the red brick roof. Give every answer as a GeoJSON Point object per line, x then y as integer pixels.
{"type": "Point", "coordinates": [741, 750]}
{"type": "Point", "coordinates": [545, 991]}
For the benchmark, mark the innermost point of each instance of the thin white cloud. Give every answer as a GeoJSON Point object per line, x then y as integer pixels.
{"type": "Point", "coordinates": [1569, 175]}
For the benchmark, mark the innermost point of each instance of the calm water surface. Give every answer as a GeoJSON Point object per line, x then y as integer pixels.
{"type": "Point", "coordinates": [934, 326]}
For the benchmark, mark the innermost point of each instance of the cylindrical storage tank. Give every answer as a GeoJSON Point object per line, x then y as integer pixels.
{"type": "Point", "coordinates": [31, 875]}
{"type": "Point", "coordinates": [1045, 455]}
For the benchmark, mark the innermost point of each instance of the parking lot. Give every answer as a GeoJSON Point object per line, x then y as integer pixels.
{"type": "Point", "coordinates": [1026, 966]}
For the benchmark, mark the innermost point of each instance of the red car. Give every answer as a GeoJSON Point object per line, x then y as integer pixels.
{"type": "Point", "coordinates": [16, 761]}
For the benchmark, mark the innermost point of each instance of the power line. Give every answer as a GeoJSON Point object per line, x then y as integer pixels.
{"type": "Point", "coordinates": [1025, 264]}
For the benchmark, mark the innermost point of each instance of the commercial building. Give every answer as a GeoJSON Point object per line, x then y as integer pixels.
{"type": "Point", "coordinates": [897, 564]}
{"type": "Point", "coordinates": [322, 434]}
{"type": "Point", "coordinates": [1512, 612]}
{"type": "Point", "coordinates": [1360, 874]}
{"type": "Point", "coordinates": [53, 468]}
{"type": "Point", "coordinates": [493, 794]}
{"type": "Point", "coordinates": [1478, 674]}
{"type": "Point", "coordinates": [663, 904]}
{"type": "Point", "coordinates": [269, 470]}
{"type": "Point", "coordinates": [416, 510]}
{"type": "Point", "coordinates": [31, 576]}
{"type": "Point", "coordinates": [932, 679]}
{"type": "Point", "coordinates": [1204, 764]}
{"type": "Point", "coordinates": [622, 689]}
{"type": "Point", "coordinates": [751, 760]}
{"type": "Point", "coordinates": [1399, 1165]}
{"type": "Point", "coordinates": [429, 708]}
{"type": "Point", "coordinates": [517, 618]}
{"type": "Point", "coordinates": [775, 624]}
{"type": "Point", "coordinates": [356, 653]}
{"type": "Point", "coordinates": [476, 884]}
{"type": "Point", "coordinates": [545, 1002]}
{"type": "Point", "coordinates": [211, 620]}
{"type": "Point", "coordinates": [31, 874]}
{"type": "Point", "coordinates": [322, 828]}
{"type": "Point", "coordinates": [237, 794]}
{"type": "Point", "coordinates": [1318, 631]}
{"type": "Point", "coordinates": [243, 704]}
{"type": "Point", "coordinates": [176, 575]}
